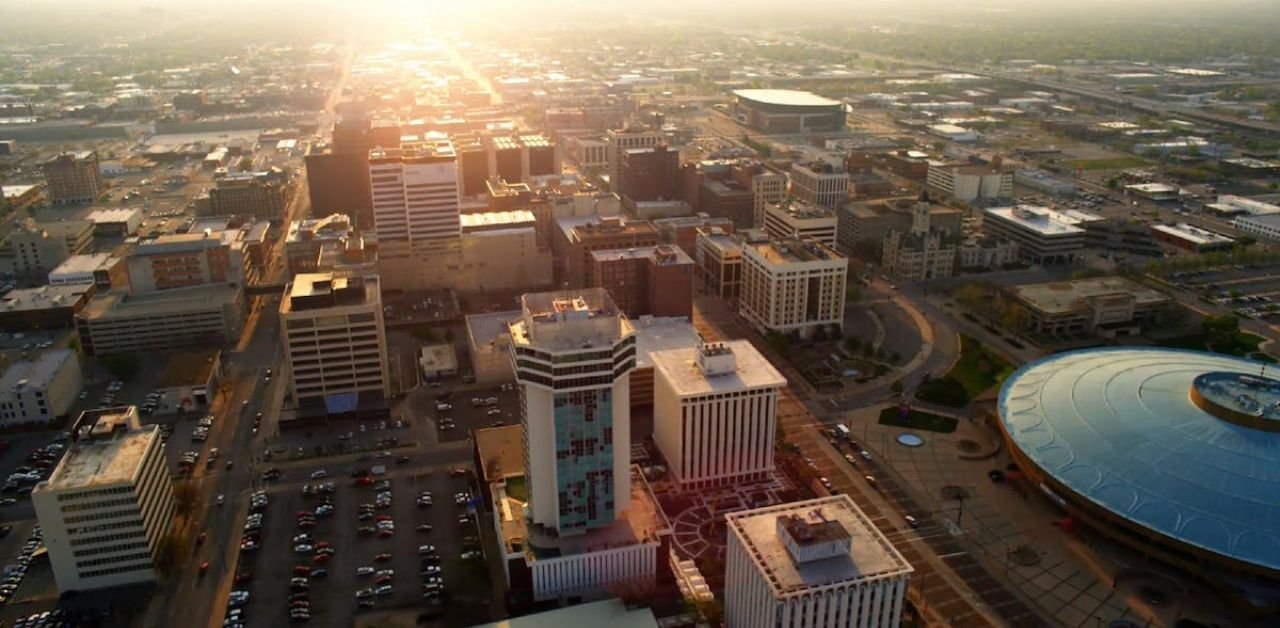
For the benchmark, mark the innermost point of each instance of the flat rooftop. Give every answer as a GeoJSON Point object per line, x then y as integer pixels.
{"type": "Point", "coordinates": [120, 304]}
{"type": "Point", "coordinates": [870, 557]}
{"type": "Point", "coordinates": [327, 228]}
{"type": "Point", "coordinates": [109, 458]}
{"type": "Point", "coordinates": [724, 243]}
{"type": "Point", "coordinates": [492, 220]}
{"type": "Point", "coordinates": [82, 264]}
{"type": "Point", "coordinates": [118, 214]}
{"type": "Point", "coordinates": [504, 446]}
{"type": "Point", "coordinates": [36, 374]}
{"type": "Point", "coordinates": [1194, 234]}
{"type": "Point", "coordinates": [569, 320]}
{"type": "Point", "coordinates": [751, 370]}
{"type": "Point", "coordinates": [612, 613]}
{"type": "Point", "coordinates": [1042, 220]}
{"type": "Point", "coordinates": [660, 333]}
{"type": "Point", "coordinates": [485, 329]}
{"type": "Point", "coordinates": [802, 210]}
{"type": "Point", "coordinates": [1061, 297]}
{"type": "Point", "coordinates": [662, 254]}
{"type": "Point", "coordinates": [42, 298]}
{"type": "Point", "coordinates": [794, 251]}
{"type": "Point", "coordinates": [309, 291]}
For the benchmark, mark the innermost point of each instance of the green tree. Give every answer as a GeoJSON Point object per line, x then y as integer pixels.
{"type": "Point", "coordinates": [184, 497]}
{"type": "Point", "coordinates": [123, 366]}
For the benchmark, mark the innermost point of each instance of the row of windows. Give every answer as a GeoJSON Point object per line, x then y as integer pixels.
{"type": "Point", "coordinates": [115, 559]}
{"type": "Point", "coordinates": [103, 538]}
{"type": "Point", "coordinates": [102, 528]}
{"type": "Point", "coordinates": [103, 504]}
{"type": "Point", "coordinates": [113, 548]}
{"type": "Point", "coordinates": [115, 570]}
{"type": "Point", "coordinates": [112, 514]}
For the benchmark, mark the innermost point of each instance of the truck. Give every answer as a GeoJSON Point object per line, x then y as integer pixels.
{"type": "Point", "coordinates": [842, 430]}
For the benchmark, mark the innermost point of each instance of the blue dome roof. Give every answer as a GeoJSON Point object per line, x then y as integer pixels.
{"type": "Point", "coordinates": [1118, 427]}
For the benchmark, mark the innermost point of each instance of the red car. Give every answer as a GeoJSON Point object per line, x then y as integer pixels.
{"type": "Point", "coordinates": [320, 559]}
{"type": "Point", "coordinates": [364, 480]}
{"type": "Point", "coordinates": [382, 518]}
{"type": "Point", "coordinates": [204, 568]}
{"type": "Point", "coordinates": [200, 539]}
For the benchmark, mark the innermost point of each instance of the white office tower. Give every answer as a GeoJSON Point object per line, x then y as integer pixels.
{"type": "Point", "coordinates": [573, 353]}
{"type": "Point", "coordinates": [819, 563]}
{"type": "Point", "coordinates": [715, 412]}
{"type": "Point", "coordinates": [415, 192]}
{"type": "Point", "coordinates": [792, 286]}
{"type": "Point", "coordinates": [108, 504]}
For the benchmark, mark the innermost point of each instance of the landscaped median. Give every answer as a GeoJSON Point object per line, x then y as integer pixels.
{"type": "Point", "coordinates": [976, 371]}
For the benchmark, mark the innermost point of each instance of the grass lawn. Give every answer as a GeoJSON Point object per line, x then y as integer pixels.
{"type": "Point", "coordinates": [1107, 163]}
{"type": "Point", "coordinates": [978, 369]}
{"type": "Point", "coordinates": [918, 420]}
{"type": "Point", "coordinates": [518, 489]}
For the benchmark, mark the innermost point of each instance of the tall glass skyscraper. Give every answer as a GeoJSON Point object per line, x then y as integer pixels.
{"type": "Point", "coordinates": [573, 353]}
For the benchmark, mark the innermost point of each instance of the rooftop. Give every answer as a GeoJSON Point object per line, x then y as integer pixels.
{"type": "Point", "coordinates": [640, 521]}
{"type": "Point", "coordinates": [502, 219]}
{"type": "Point", "coordinates": [723, 242]}
{"type": "Point", "coordinates": [661, 254]}
{"type": "Point", "coordinates": [569, 320]}
{"type": "Point", "coordinates": [660, 333]}
{"type": "Point", "coordinates": [501, 451]}
{"type": "Point", "coordinates": [680, 368]}
{"type": "Point", "coordinates": [1194, 234]}
{"type": "Point", "coordinates": [106, 450]}
{"type": "Point", "coordinates": [1042, 220]}
{"type": "Point", "coordinates": [793, 251]}
{"type": "Point", "coordinates": [1060, 297]}
{"type": "Point", "coordinates": [1118, 427]}
{"type": "Point", "coordinates": [83, 264]}
{"type": "Point", "coordinates": [787, 97]}
{"type": "Point", "coordinates": [437, 357]}
{"type": "Point", "coordinates": [329, 227]}
{"type": "Point", "coordinates": [42, 298]}
{"type": "Point", "coordinates": [484, 330]}
{"type": "Point", "coordinates": [797, 209]}
{"type": "Point", "coordinates": [613, 613]}
{"type": "Point", "coordinates": [36, 374]}
{"type": "Point", "coordinates": [870, 555]}
{"type": "Point", "coordinates": [120, 304]}
{"type": "Point", "coordinates": [114, 214]}
{"type": "Point", "coordinates": [320, 290]}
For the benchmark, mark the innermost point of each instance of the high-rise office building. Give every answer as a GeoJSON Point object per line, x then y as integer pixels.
{"type": "Point", "coordinates": [335, 344]}
{"type": "Point", "coordinates": [649, 174]}
{"type": "Point", "coordinates": [820, 183]}
{"type": "Point", "coordinates": [819, 563]}
{"type": "Point", "coordinates": [801, 219]}
{"type": "Point", "coordinates": [108, 504]}
{"type": "Point", "coordinates": [72, 177]}
{"type": "Point", "coordinates": [715, 412]}
{"type": "Point", "coordinates": [622, 139]}
{"type": "Point", "coordinates": [415, 192]}
{"type": "Point", "coordinates": [573, 353]}
{"type": "Point", "coordinates": [338, 180]}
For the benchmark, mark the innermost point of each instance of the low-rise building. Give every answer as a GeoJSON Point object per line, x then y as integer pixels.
{"type": "Point", "coordinates": [792, 286]}
{"type": "Point", "coordinates": [718, 264]}
{"type": "Point", "coordinates": [72, 177]}
{"type": "Point", "coordinates": [1231, 205]}
{"type": "Point", "coordinates": [20, 197]}
{"type": "Point", "coordinates": [1265, 226]}
{"type": "Point", "coordinates": [437, 360]}
{"type": "Point", "coordinates": [1103, 306]}
{"type": "Point", "coordinates": [1042, 181]}
{"type": "Point", "coordinates": [1043, 235]}
{"type": "Point", "coordinates": [46, 307]}
{"type": "Point", "coordinates": [986, 253]}
{"type": "Point", "coordinates": [40, 391]}
{"type": "Point", "coordinates": [120, 222]}
{"type": "Point", "coordinates": [800, 219]}
{"type": "Point", "coordinates": [819, 563]}
{"type": "Point", "coordinates": [1192, 238]}
{"type": "Point", "coordinates": [120, 322]}
{"type": "Point", "coordinates": [715, 413]}
{"type": "Point", "coordinates": [35, 248]}
{"type": "Point", "coordinates": [263, 195]}
{"type": "Point", "coordinates": [489, 344]}
{"type": "Point", "coordinates": [113, 478]}
{"type": "Point", "coordinates": [862, 226]}
{"type": "Point", "coordinates": [98, 270]}
{"type": "Point", "coordinates": [1153, 191]}
{"type": "Point", "coordinates": [820, 183]}
{"type": "Point", "coordinates": [920, 253]}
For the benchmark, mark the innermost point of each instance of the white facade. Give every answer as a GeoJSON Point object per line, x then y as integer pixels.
{"type": "Point", "coordinates": [589, 573]}
{"type": "Point", "coordinates": [79, 269]}
{"type": "Point", "coordinates": [792, 286]}
{"type": "Point", "coordinates": [820, 183]}
{"type": "Point", "coordinates": [415, 193]}
{"type": "Point", "coordinates": [573, 353]}
{"type": "Point", "coordinates": [1043, 236]}
{"type": "Point", "coordinates": [715, 413]}
{"type": "Point", "coordinates": [334, 339]}
{"type": "Point", "coordinates": [108, 504]}
{"type": "Point", "coordinates": [42, 390]}
{"type": "Point", "coordinates": [819, 563]}
{"type": "Point", "coordinates": [800, 219]}
{"type": "Point", "coordinates": [1262, 226]}
{"type": "Point", "coordinates": [766, 187]}
{"type": "Point", "coordinates": [968, 184]}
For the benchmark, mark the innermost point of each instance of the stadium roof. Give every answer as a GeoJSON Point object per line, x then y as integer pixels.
{"type": "Point", "coordinates": [1118, 427]}
{"type": "Point", "coordinates": [787, 97]}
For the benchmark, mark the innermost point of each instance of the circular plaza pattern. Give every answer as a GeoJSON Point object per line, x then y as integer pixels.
{"type": "Point", "coordinates": [1122, 434]}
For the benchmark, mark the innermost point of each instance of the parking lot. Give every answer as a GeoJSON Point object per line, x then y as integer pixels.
{"type": "Point", "coordinates": [331, 600]}
{"type": "Point", "coordinates": [1251, 291]}
{"type": "Point", "coordinates": [467, 410]}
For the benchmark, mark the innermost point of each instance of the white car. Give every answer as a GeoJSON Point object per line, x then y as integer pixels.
{"type": "Point", "coordinates": [365, 571]}
{"type": "Point", "coordinates": [319, 474]}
